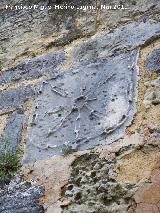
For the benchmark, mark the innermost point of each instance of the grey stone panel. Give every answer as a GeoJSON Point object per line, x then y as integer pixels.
{"type": "Point", "coordinates": [15, 97]}
{"type": "Point", "coordinates": [13, 130]}
{"type": "Point", "coordinates": [84, 106]}
{"type": "Point", "coordinates": [153, 61]}
{"type": "Point", "coordinates": [20, 197]}
{"type": "Point", "coordinates": [32, 67]}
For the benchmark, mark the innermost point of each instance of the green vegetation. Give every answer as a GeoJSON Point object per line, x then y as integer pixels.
{"type": "Point", "coordinates": [9, 162]}
{"type": "Point", "coordinates": [67, 150]}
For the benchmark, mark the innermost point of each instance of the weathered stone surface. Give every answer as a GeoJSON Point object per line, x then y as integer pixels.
{"type": "Point", "coordinates": [137, 165]}
{"type": "Point", "coordinates": [152, 94]}
{"type": "Point", "coordinates": [90, 101]}
{"type": "Point", "coordinates": [118, 41]}
{"type": "Point", "coordinates": [65, 118]}
{"type": "Point", "coordinates": [147, 197]}
{"type": "Point", "coordinates": [86, 105]}
{"type": "Point", "coordinates": [53, 174]}
{"type": "Point", "coordinates": [92, 187]}
{"type": "Point", "coordinates": [20, 196]}
{"type": "Point", "coordinates": [3, 122]}
{"type": "Point", "coordinates": [15, 97]}
{"type": "Point", "coordinates": [32, 67]}
{"type": "Point", "coordinates": [135, 9]}
{"type": "Point", "coordinates": [13, 130]}
{"type": "Point", "coordinates": [153, 61]}
{"type": "Point", "coordinates": [35, 30]}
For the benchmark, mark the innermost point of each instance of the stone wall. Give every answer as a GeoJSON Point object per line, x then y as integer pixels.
{"type": "Point", "coordinates": [79, 94]}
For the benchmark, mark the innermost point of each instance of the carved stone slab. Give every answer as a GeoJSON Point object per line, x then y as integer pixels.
{"type": "Point", "coordinates": [86, 105]}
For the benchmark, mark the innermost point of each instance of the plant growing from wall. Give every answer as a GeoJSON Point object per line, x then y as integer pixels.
{"type": "Point", "coordinates": [9, 161]}
{"type": "Point", "coordinates": [67, 150]}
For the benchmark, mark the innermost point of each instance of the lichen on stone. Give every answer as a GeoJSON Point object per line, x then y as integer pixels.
{"type": "Point", "coordinates": [93, 187]}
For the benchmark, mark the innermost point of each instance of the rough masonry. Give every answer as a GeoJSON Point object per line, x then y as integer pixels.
{"type": "Point", "coordinates": [80, 94]}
